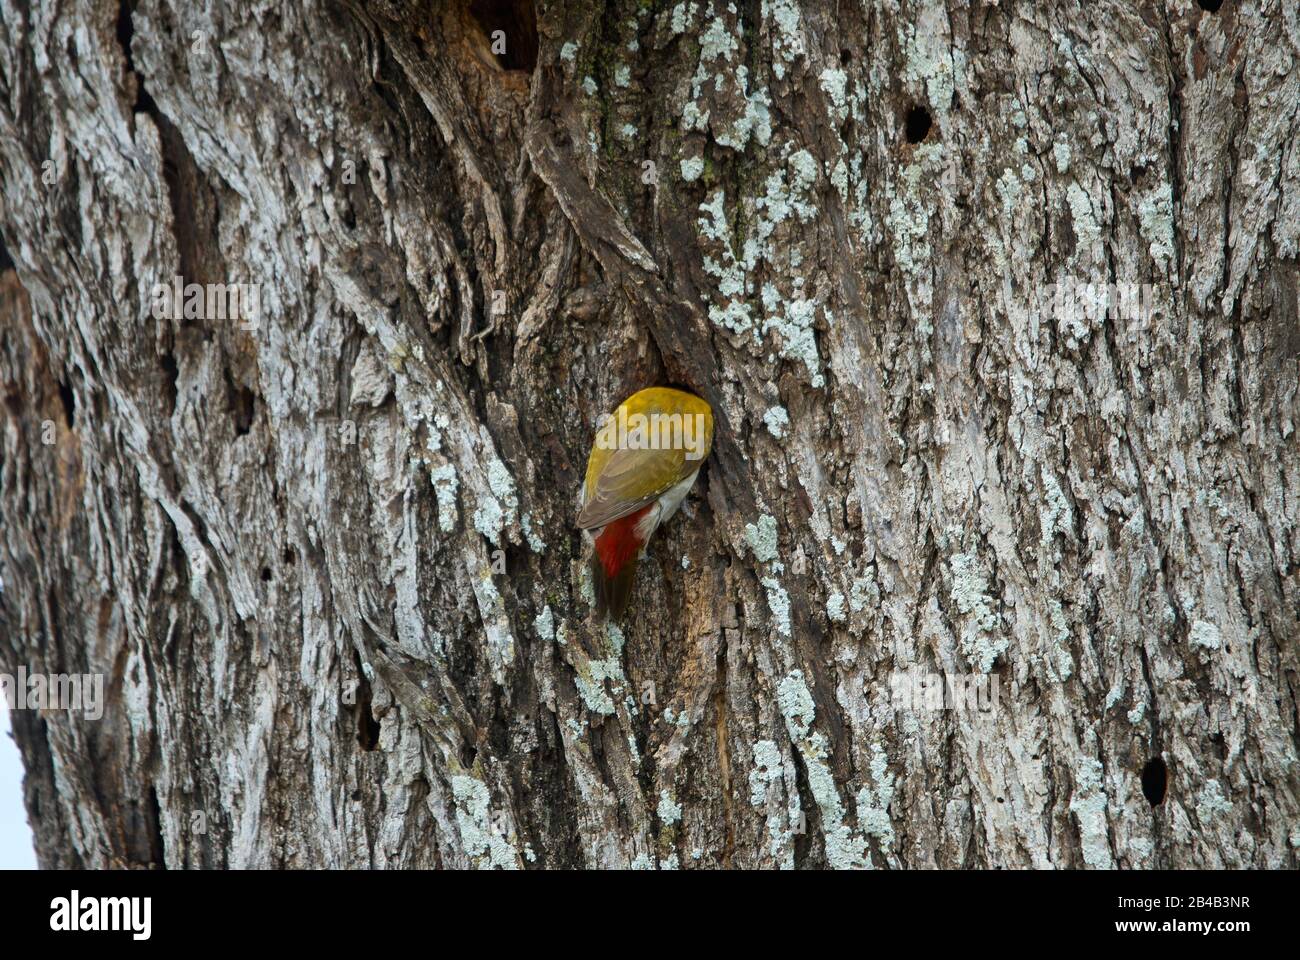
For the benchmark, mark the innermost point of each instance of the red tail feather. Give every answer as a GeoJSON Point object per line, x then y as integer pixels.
{"type": "Point", "coordinates": [614, 566]}
{"type": "Point", "coordinates": [618, 543]}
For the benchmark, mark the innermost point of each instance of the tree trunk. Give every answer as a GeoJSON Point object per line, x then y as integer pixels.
{"type": "Point", "coordinates": [323, 554]}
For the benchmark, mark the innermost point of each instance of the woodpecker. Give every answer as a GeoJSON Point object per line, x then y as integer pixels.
{"type": "Point", "coordinates": [645, 459]}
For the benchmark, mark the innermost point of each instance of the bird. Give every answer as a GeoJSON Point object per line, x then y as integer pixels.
{"type": "Point", "coordinates": [643, 462]}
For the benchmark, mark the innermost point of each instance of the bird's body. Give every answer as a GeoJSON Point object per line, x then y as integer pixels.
{"type": "Point", "coordinates": [645, 460]}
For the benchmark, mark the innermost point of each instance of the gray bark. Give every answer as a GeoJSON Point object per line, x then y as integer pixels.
{"type": "Point", "coordinates": [326, 563]}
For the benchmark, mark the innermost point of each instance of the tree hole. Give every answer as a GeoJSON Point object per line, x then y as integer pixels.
{"type": "Point", "coordinates": [367, 725]}
{"type": "Point", "coordinates": [241, 409]}
{"type": "Point", "coordinates": [1210, 6]}
{"type": "Point", "coordinates": [917, 125]}
{"type": "Point", "coordinates": [171, 372]}
{"type": "Point", "coordinates": [511, 30]}
{"type": "Point", "coordinates": [1155, 781]}
{"type": "Point", "coordinates": [69, 403]}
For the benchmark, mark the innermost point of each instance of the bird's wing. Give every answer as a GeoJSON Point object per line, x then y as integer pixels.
{"type": "Point", "coordinates": [627, 472]}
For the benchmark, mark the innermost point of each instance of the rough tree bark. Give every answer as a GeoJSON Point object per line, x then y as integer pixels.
{"type": "Point", "coordinates": [326, 561]}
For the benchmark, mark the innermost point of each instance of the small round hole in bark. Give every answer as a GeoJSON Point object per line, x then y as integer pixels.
{"type": "Point", "coordinates": [1210, 6]}
{"type": "Point", "coordinates": [367, 726]}
{"type": "Point", "coordinates": [917, 125]}
{"type": "Point", "coordinates": [1155, 781]}
{"type": "Point", "coordinates": [69, 400]}
{"type": "Point", "coordinates": [266, 574]}
{"type": "Point", "coordinates": [242, 407]}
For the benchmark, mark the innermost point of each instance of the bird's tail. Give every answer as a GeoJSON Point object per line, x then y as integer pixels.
{"type": "Point", "coordinates": [613, 565]}
{"type": "Point", "coordinates": [613, 592]}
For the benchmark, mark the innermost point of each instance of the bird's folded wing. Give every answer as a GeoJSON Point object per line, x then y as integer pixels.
{"type": "Point", "coordinates": [630, 480]}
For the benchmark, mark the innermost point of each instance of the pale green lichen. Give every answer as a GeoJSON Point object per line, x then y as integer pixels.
{"type": "Point", "coordinates": [1061, 666]}
{"type": "Point", "coordinates": [495, 511]}
{"type": "Point", "coordinates": [1156, 221]}
{"type": "Point", "coordinates": [1086, 230]}
{"type": "Point", "coordinates": [832, 81]}
{"type": "Point", "coordinates": [797, 336]}
{"type": "Point", "coordinates": [682, 17]}
{"type": "Point", "coordinates": [1008, 188]}
{"type": "Point", "coordinates": [1056, 516]}
{"type": "Point", "coordinates": [873, 803]}
{"type": "Point", "coordinates": [594, 696]}
{"type": "Point", "coordinates": [473, 816]}
{"type": "Point", "coordinates": [968, 593]}
{"type": "Point", "coordinates": [1115, 694]}
{"type": "Point", "coordinates": [717, 41]}
{"type": "Point", "coordinates": [736, 315]}
{"type": "Point", "coordinates": [796, 704]}
{"type": "Point", "coordinates": [762, 538]}
{"type": "Point", "coordinates": [777, 421]}
{"type": "Point", "coordinates": [614, 634]}
{"type": "Point", "coordinates": [535, 542]}
{"type": "Point", "coordinates": [669, 812]}
{"type": "Point", "coordinates": [496, 622]}
{"type": "Point", "coordinates": [840, 180]}
{"type": "Point", "coordinates": [787, 40]}
{"type": "Point", "coordinates": [791, 317]}
{"type": "Point", "coordinates": [544, 623]}
{"type": "Point", "coordinates": [1061, 152]}
{"type": "Point", "coordinates": [1088, 804]}
{"type": "Point", "coordinates": [1204, 634]}
{"type": "Point", "coordinates": [778, 601]}
{"type": "Point", "coordinates": [445, 485]}
{"type": "Point", "coordinates": [591, 687]}
{"type": "Point", "coordinates": [756, 121]}
{"type": "Point", "coordinates": [692, 167]}
{"type": "Point", "coordinates": [909, 211]}
{"type": "Point", "coordinates": [835, 607]}
{"type": "Point", "coordinates": [693, 118]}
{"type": "Point", "coordinates": [844, 849]}
{"type": "Point", "coordinates": [766, 771]}
{"type": "Point", "coordinates": [1211, 802]}
{"type": "Point", "coordinates": [928, 60]}
{"type": "Point", "coordinates": [863, 593]}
